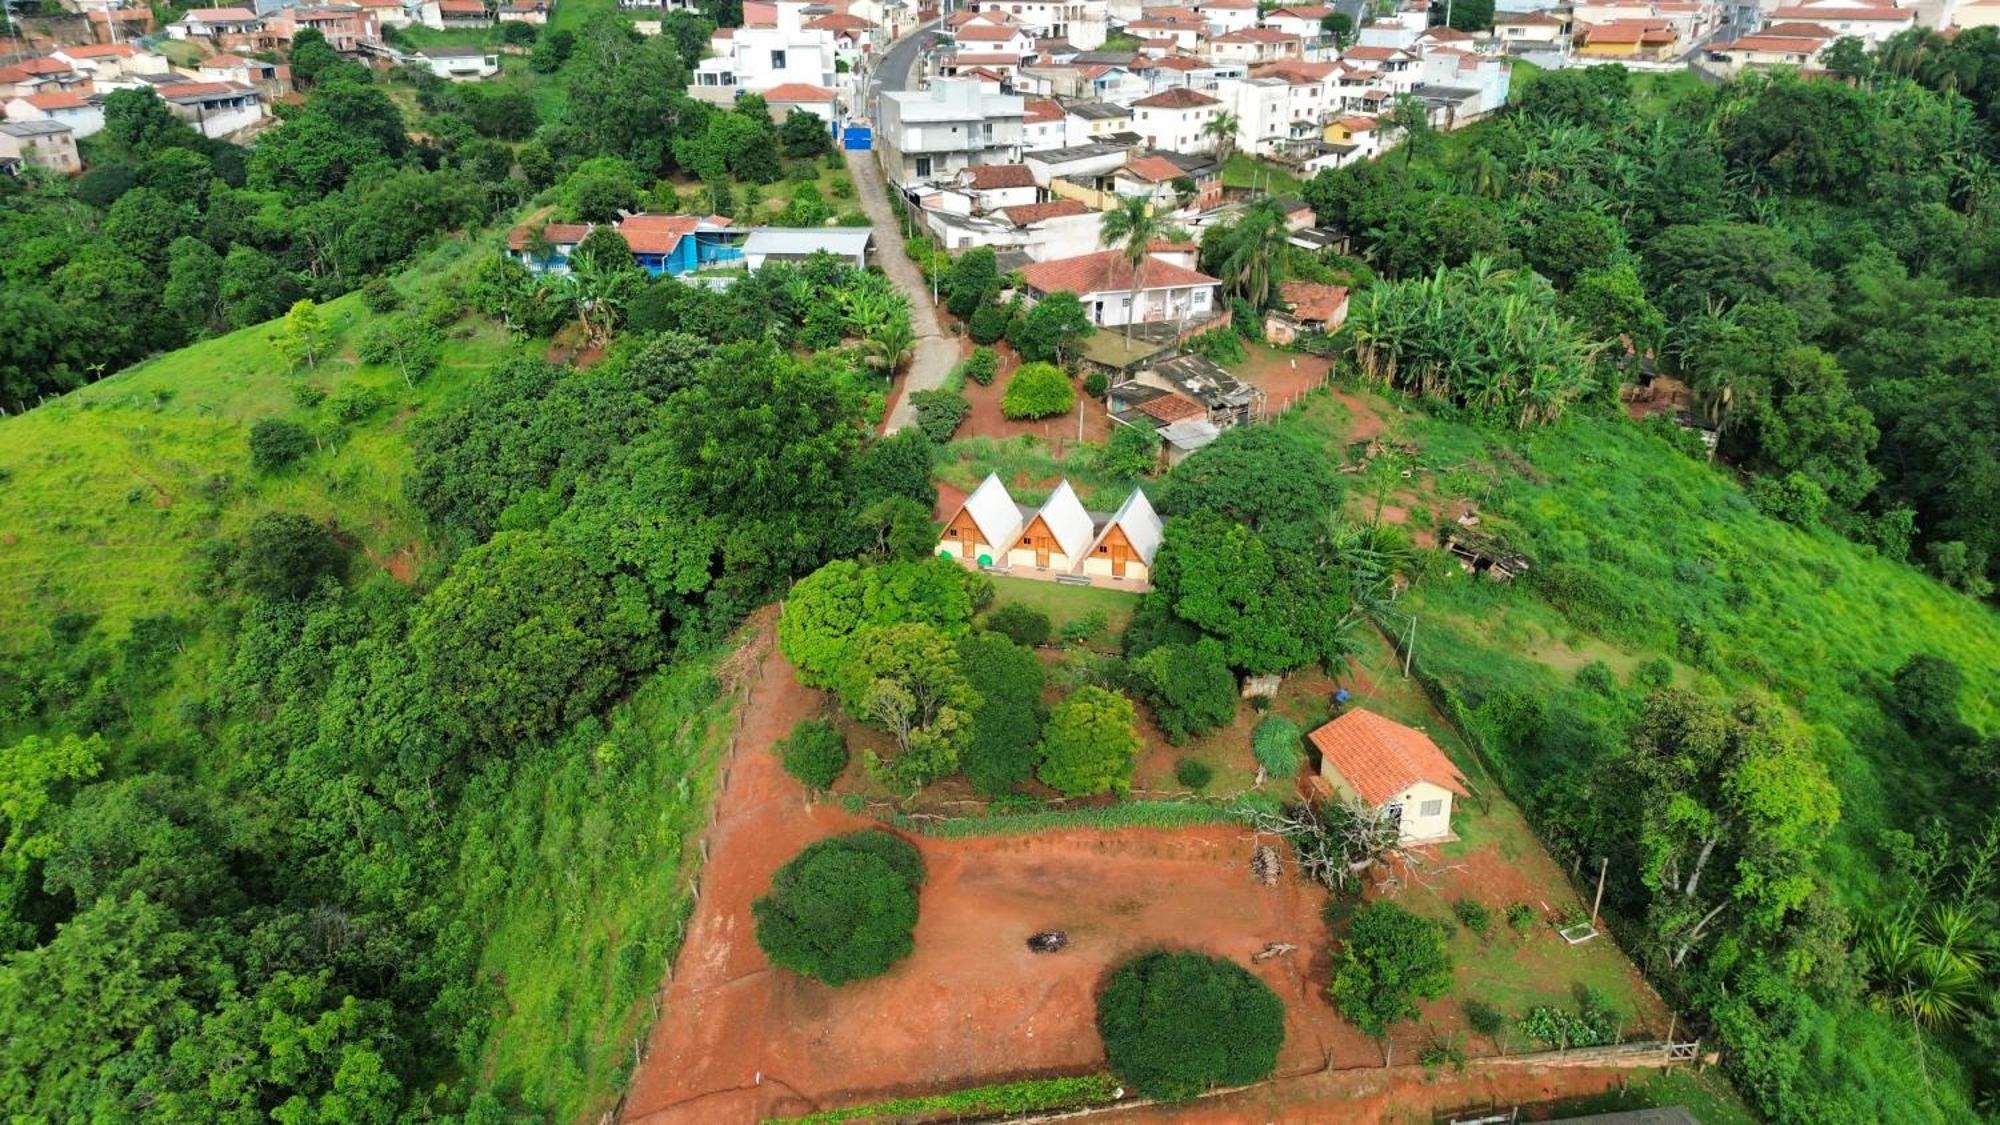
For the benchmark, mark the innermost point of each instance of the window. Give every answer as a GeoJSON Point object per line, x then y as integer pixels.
{"type": "Point", "coordinates": [777, 60]}
{"type": "Point", "coordinates": [1430, 808]}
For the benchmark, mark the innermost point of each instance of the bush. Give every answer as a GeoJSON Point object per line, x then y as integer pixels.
{"type": "Point", "coordinates": [1926, 690]}
{"type": "Point", "coordinates": [1038, 390]}
{"type": "Point", "coordinates": [1021, 624]}
{"type": "Point", "coordinates": [1442, 1049]}
{"type": "Point", "coordinates": [1085, 628]}
{"type": "Point", "coordinates": [1132, 451]}
{"type": "Point", "coordinates": [1654, 674]}
{"type": "Point", "coordinates": [380, 295]}
{"type": "Point", "coordinates": [1795, 498]}
{"type": "Point", "coordinates": [354, 402]}
{"type": "Point", "coordinates": [843, 909]}
{"type": "Point", "coordinates": [1592, 1024]}
{"type": "Point", "coordinates": [1176, 1024]}
{"type": "Point", "coordinates": [1008, 720]}
{"type": "Point", "coordinates": [276, 443]}
{"type": "Point", "coordinates": [1520, 917]}
{"type": "Point", "coordinates": [1473, 916]}
{"type": "Point", "coordinates": [987, 325]}
{"type": "Point", "coordinates": [1194, 773]}
{"type": "Point", "coordinates": [1276, 746]}
{"type": "Point", "coordinates": [1485, 1019]}
{"type": "Point", "coordinates": [1596, 677]}
{"type": "Point", "coordinates": [1089, 744]}
{"type": "Point", "coordinates": [1390, 960]}
{"type": "Point", "coordinates": [284, 555]}
{"type": "Point", "coordinates": [981, 365]}
{"type": "Point", "coordinates": [1190, 687]}
{"type": "Point", "coordinates": [1221, 345]}
{"type": "Point", "coordinates": [939, 413]}
{"type": "Point", "coordinates": [815, 753]}
{"type": "Point", "coordinates": [1096, 385]}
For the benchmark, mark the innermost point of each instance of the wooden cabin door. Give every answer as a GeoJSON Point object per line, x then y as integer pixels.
{"type": "Point", "coordinates": [1041, 552]}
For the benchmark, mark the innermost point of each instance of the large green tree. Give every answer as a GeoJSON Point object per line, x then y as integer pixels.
{"type": "Point", "coordinates": [1177, 1024]}
{"type": "Point", "coordinates": [1389, 959]}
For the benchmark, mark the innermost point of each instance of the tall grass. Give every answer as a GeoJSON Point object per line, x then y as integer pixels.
{"type": "Point", "coordinates": [1127, 814]}
{"type": "Point", "coordinates": [1035, 1095]}
{"type": "Point", "coordinates": [1030, 469]}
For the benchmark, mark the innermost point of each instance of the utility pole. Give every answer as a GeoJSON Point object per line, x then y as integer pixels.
{"type": "Point", "coordinates": [1410, 646]}
{"type": "Point", "coordinates": [1603, 865]}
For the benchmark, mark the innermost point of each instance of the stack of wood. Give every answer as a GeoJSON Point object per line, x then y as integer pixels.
{"type": "Point", "coordinates": [1266, 865]}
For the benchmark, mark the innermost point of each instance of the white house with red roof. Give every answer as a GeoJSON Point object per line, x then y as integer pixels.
{"type": "Point", "coordinates": [930, 134]}
{"type": "Point", "coordinates": [1178, 119]}
{"type": "Point", "coordinates": [1168, 292]}
{"type": "Point", "coordinates": [112, 65]}
{"type": "Point", "coordinates": [1252, 45]}
{"type": "Point", "coordinates": [1391, 768]}
{"type": "Point", "coordinates": [82, 114]}
{"type": "Point", "coordinates": [1871, 23]}
{"type": "Point", "coordinates": [1082, 23]}
{"type": "Point", "coordinates": [1302, 21]}
{"type": "Point", "coordinates": [1224, 16]}
{"type": "Point", "coordinates": [802, 97]}
{"type": "Point", "coordinates": [216, 23]}
{"type": "Point", "coordinates": [755, 58]}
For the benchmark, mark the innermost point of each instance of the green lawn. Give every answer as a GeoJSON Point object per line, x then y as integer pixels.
{"type": "Point", "coordinates": [105, 493]}
{"type": "Point", "coordinates": [1245, 171]}
{"type": "Point", "coordinates": [576, 872]}
{"type": "Point", "coordinates": [1065, 604]}
{"type": "Point", "coordinates": [1031, 470]}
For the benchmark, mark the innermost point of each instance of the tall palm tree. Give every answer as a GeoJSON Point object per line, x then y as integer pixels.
{"type": "Point", "coordinates": [1223, 128]}
{"type": "Point", "coordinates": [1131, 226]}
{"type": "Point", "coordinates": [1253, 253]}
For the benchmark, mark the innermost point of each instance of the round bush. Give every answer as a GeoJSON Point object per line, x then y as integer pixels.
{"type": "Point", "coordinates": [1175, 1024]}
{"type": "Point", "coordinates": [1024, 625]}
{"type": "Point", "coordinates": [1096, 385]}
{"type": "Point", "coordinates": [1038, 390]}
{"type": "Point", "coordinates": [815, 753]}
{"type": "Point", "coordinates": [1194, 773]}
{"type": "Point", "coordinates": [843, 909]}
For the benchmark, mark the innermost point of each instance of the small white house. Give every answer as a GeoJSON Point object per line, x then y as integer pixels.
{"type": "Point", "coordinates": [1103, 281]}
{"type": "Point", "coordinates": [84, 116]}
{"type": "Point", "coordinates": [215, 109]}
{"type": "Point", "coordinates": [1388, 766]}
{"type": "Point", "coordinates": [461, 64]}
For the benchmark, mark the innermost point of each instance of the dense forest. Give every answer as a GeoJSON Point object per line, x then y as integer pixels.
{"type": "Point", "coordinates": [1817, 260]}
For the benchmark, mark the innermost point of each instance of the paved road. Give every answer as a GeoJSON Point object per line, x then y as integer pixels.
{"type": "Point", "coordinates": [935, 353]}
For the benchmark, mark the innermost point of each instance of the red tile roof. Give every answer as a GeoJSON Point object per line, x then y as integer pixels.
{"type": "Point", "coordinates": [986, 33]}
{"type": "Point", "coordinates": [1782, 43]}
{"type": "Point", "coordinates": [1043, 110]}
{"type": "Point", "coordinates": [1171, 408]}
{"type": "Point", "coordinates": [1371, 54]}
{"type": "Point", "coordinates": [1023, 214]}
{"type": "Point", "coordinates": [1155, 169]}
{"type": "Point", "coordinates": [1179, 97]}
{"type": "Point", "coordinates": [1180, 62]}
{"type": "Point", "coordinates": [463, 7]}
{"type": "Point", "coordinates": [1357, 123]}
{"type": "Point", "coordinates": [62, 99]}
{"type": "Point", "coordinates": [199, 89]}
{"type": "Point", "coordinates": [794, 92]}
{"type": "Point", "coordinates": [566, 234]}
{"type": "Point", "coordinates": [1798, 30]}
{"type": "Point", "coordinates": [991, 177]}
{"type": "Point", "coordinates": [841, 21]}
{"type": "Point", "coordinates": [1312, 301]}
{"type": "Point", "coordinates": [647, 233]}
{"type": "Point", "coordinates": [28, 68]}
{"type": "Point", "coordinates": [963, 59]}
{"type": "Point", "coordinates": [1309, 12]}
{"type": "Point", "coordinates": [1381, 758]}
{"type": "Point", "coordinates": [1256, 35]}
{"type": "Point", "coordinates": [1443, 34]}
{"type": "Point", "coordinates": [1107, 272]}
{"type": "Point", "coordinates": [1296, 72]}
{"type": "Point", "coordinates": [101, 51]}
{"type": "Point", "coordinates": [1884, 13]}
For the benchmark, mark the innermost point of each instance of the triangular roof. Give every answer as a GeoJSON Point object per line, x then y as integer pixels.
{"type": "Point", "coordinates": [993, 511]}
{"type": "Point", "coordinates": [1139, 522]}
{"type": "Point", "coordinates": [1380, 757]}
{"type": "Point", "coordinates": [1066, 520]}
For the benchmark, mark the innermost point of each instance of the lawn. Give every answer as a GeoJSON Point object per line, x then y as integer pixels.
{"type": "Point", "coordinates": [1242, 170]}
{"type": "Point", "coordinates": [1030, 469]}
{"type": "Point", "coordinates": [576, 870]}
{"type": "Point", "coordinates": [105, 493]}
{"type": "Point", "coordinates": [1067, 604]}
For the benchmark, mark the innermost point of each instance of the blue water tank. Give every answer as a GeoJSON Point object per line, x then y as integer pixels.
{"type": "Point", "coordinates": [857, 138]}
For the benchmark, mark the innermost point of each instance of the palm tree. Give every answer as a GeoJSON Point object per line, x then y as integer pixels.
{"type": "Point", "coordinates": [1483, 175]}
{"type": "Point", "coordinates": [1132, 226]}
{"type": "Point", "coordinates": [1223, 128]}
{"type": "Point", "coordinates": [1253, 253]}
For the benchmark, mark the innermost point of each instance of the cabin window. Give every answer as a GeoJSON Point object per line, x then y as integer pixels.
{"type": "Point", "coordinates": [951, 532]}
{"type": "Point", "coordinates": [1430, 808]}
{"type": "Point", "coordinates": [1104, 550]}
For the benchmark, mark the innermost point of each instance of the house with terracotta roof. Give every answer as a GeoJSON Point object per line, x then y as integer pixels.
{"type": "Point", "coordinates": [1177, 119]}
{"type": "Point", "coordinates": [82, 114]}
{"type": "Point", "coordinates": [994, 186]}
{"type": "Point", "coordinates": [1639, 40]}
{"type": "Point", "coordinates": [440, 14]}
{"type": "Point", "coordinates": [1869, 22]}
{"type": "Point", "coordinates": [1529, 31]}
{"type": "Point", "coordinates": [534, 13]}
{"type": "Point", "coordinates": [41, 76]}
{"type": "Point", "coordinates": [1769, 48]}
{"type": "Point", "coordinates": [787, 98]}
{"type": "Point", "coordinates": [1305, 306]}
{"type": "Point", "coordinates": [222, 25]}
{"type": "Point", "coordinates": [111, 65]}
{"type": "Point", "coordinates": [1167, 293]}
{"type": "Point", "coordinates": [774, 47]}
{"type": "Point", "coordinates": [1224, 16]}
{"type": "Point", "coordinates": [669, 245]}
{"type": "Point", "coordinates": [1036, 232]}
{"type": "Point", "coordinates": [1169, 183]}
{"type": "Point", "coordinates": [1084, 24]}
{"type": "Point", "coordinates": [271, 79]}
{"type": "Point", "coordinates": [1252, 45]}
{"type": "Point", "coordinates": [1391, 768]}
{"type": "Point", "coordinates": [1299, 21]}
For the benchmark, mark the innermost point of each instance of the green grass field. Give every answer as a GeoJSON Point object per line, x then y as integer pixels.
{"type": "Point", "coordinates": [1031, 469]}
{"type": "Point", "coordinates": [1244, 171]}
{"type": "Point", "coordinates": [105, 492]}
{"type": "Point", "coordinates": [576, 871]}
{"type": "Point", "coordinates": [1066, 604]}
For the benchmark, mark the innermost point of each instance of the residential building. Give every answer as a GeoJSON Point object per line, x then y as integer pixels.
{"type": "Point", "coordinates": [1397, 35]}
{"type": "Point", "coordinates": [461, 64]}
{"type": "Point", "coordinates": [1177, 119]}
{"type": "Point", "coordinates": [1194, 73]}
{"type": "Point", "coordinates": [1090, 121]}
{"type": "Point", "coordinates": [1167, 293]}
{"type": "Point", "coordinates": [393, 13]}
{"type": "Point", "coordinates": [1044, 125]}
{"type": "Point", "coordinates": [1968, 14]}
{"type": "Point", "coordinates": [215, 109]}
{"type": "Point", "coordinates": [1190, 391]}
{"type": "Point", "coordinates": [110, 65]}
{"type": "Point", "coordinates": [1305, 306]}
{"type": "Point", "coordinates": [82, 114]}
{"type": "Point", "coordinates": [1627, 40]}
{"type": "Point", "coordinates": [1391, 768]}
{"type": "Point", "coordinates": [752, 59]}
{"type": "Point", "coordinates": [534, 13]}
{"type": "Point", "coordinates": [1224, 16]}
{"type": "Point", "coordinates": [1252, 45]}
{"type": "Point", "coordinates": [440, 14]}
{"type": "Point", "coordinates": [669, 245]}
{"type": "Point", "coordinates": [1871, 23]}
{"type": "Point", "coordinates": [1056, 537]}
{"type": "Point", "coordinates": [220, 25]}
{"type": "Point", "coordinates": [1302, 22]}
{"type": "Point", "coordinates": [850, 245]}
{"type": "Point", "coordinates": [1036, 232]}
{"type": "Point", "coordinates": [1768, 49]}
{"type": "Point", "coordinates": [271, 79]}
{"type": "Point", "coordinates": [984, 527]}
{"type": "Point", "coordinates": [1082, 23]}
{"type": "Point", "coordinates": [1061, 171]}
{"type": "Point", "coordinates": [993, 186]}
{"type": "Point", "coordinates": [1529, 31]}
{"type": "Point", "coordinates": [38, 144]}
{"type": "Point", "coordinates": [1057, 540]}
{"type": "Point", "coordinates": [347, 27]}
{"type": "Point", "coordinates": [41, 76]}
{"type": "Point", "coordinates": [932, 133]}
{"type": "Point", "coordinates": [800, 97]}
{"type": "Point", "coordinates": [982, 36]}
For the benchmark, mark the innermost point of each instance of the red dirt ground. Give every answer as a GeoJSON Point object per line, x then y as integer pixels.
{"type": "Point", "coordinates": [985, 420]}
{"type": "Point", "coordinates": [1282, 376]}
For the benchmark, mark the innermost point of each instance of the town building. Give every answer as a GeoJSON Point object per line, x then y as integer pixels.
{"type": "Point", "coordinates": [82, 114]}
{"type": "Point", "coordinates": [933, 133]}
{"type": "Point", "coordinates": [215, 109]}
{"type": "Point", "coordinates": [50, 145]}
{"type": "Point", "coordinates": [1393, 769]}
{"type": "Point", "coordinates": [460, 64]}
{"type": "Point", "coordinates": [1167, 293]}
{"type": "Point", "coordinates": [1177, 119]}
{"type": "Point", "coordinates": [1058, 540]}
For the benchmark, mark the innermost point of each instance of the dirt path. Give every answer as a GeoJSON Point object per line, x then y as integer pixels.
{"type": "Point", "coordinates": [934, 353]}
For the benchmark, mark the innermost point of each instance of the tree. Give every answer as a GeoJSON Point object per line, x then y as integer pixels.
{"type": "Point", "coordinates": [815, 753]}
{"type": "Point", "coordinates": [804, 135]}
{"type": "Point", "coordinates": [1006, 722]}
{"type": "Point", "coordinates": [1190, 687]}
{"type": "Point", "coordinates": [1089, 744]}
{"type": "Point", "coordinates": [1259, 476]}
{"type": "Point", "coordinates": [37, 775]}
{"type": "Point", "coordinates": [411, 344]}
{"type": "Point", "coordinates": [1611, 305]}
{"type": "Point", "coordinates": [151, 834]}
{"type": "Point", "coordinates": [520, 639]}
{"type": "Point", "coordinates": [1132, 451]}
{"type": "Point", "coordinates": [284, 555]}
{"type": "Point", "coordinates": [829, 607]}
{"type": "Point", "coordinates": [1926, 690]}
{"type": "Point", "coordinates": [973, 275]}
{"type": "Point", "coordinates": [1273, 608]}
{"type": "Point", "coordinates": [939, 413]}
{"type": "Point", "coordinates": [1037, 390]}
{"type": "Point", "coordinates": [139, 122]}
{"type": "Point", "coordinates": [303, 335]}
{"type": "Point", "coordinates": [1472, 15]}
{"type": "Point", "coordinates": [906, 679]}
{"type": "Point", "coordinates": [844, 909]}
{"type": "Point", "coordinates": [988, 325]}
{"type": "Point", "coordinates": [1338, 26]}
{"type": "Point", "coordinates": [193, 292]}
{"type": "Point", "coordinates": [275, 443]}
{"type": "Point", "coordinates": [1250, 253]}
{"type": "Point", "coordinates": [599, 190]}
{"type": "Point", "coordinates": [1134, 227]}
{"type": "Point", "coordinates": [1020, 623]}
{"type": "Point", "coordinates": [254, 288]}
{"type": "Point", "coordinates": [1221, 130]}
{"type": "Point", "coordinates": [806, 209]}
{"type": "Point", "coordinates": [1691, 267]}
{"type": "Point", "coordinates": [605, 277]}
{"type": "Point", "coordinates": [310, 55]}
{"type": "Point", "coordinates": [1567, 243]}
{"type": "Point", "coordinates": [1410, 120]}
{"type": "Point", "coordinates": [1177, 1024]}
{"type": "Point", "coordinates": [1388, 961]}
{"type": "Point", "coordinates": [1848, 57]}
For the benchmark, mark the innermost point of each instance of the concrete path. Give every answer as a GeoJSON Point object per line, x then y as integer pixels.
{"type": "Point", "coordinates": [934, 353]}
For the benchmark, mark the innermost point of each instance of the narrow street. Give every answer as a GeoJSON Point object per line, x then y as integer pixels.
{"type": "Point", "coordinates": [934, 354]}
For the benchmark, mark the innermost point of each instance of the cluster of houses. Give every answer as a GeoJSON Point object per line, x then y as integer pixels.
{"type": "Point", "coordinates": [1058, 540]}
{"type": "Point", "coordinates": [798, 54]}
{"type": "Point", "coordinates": [1722, 36]}
{"type": "Point", "coordinates": [689, 245]}
{"type": "Point", "coordinates": [53, 101]}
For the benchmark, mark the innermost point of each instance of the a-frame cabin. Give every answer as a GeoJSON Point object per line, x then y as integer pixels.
{"type": "Point", "coordinates": [984, 527]}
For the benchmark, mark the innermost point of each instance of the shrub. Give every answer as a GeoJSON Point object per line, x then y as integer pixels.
{"type": "Point", "coordinates": [307, 396]}
{"type": "Point", "coordinates": [354, 402]}
{"type": "Point", "coordinates": [1190, 687]}
{"type": "Point", "coordinates": [815, 753]}
{"type": "Point", "coordinates": [1089, 744]}
{"type": "Point", "coordinates": [1275, 745]}
{"type": "Point", "coordinates": [1175, 1024]}
{"type": "Point", "coordinates": [1473, 916]}
{"type": "Point", "coordinates": [1132, 451]}
{"type": "Point", "coordinates": [284, 555]}
{"type": "Point", "coordinates": [1390, 960]}
{"type": "Point", "coordinates": [1654, 674]}
{"type": "Point", "coordinates": [1096, 385]}
{"type": "Point", "coordinates": [1024, 625]}
{"type": "Point", "coordinates": [1592, 1024]}
{"type": "Point", "coordinates": [1083, 629]}
{"type": "Point", "coordinates": [380, 295]}
{"type": "Point", "coordinates": [1442, 1049]}
{"type": "Point", "coordinates": [1008, 720]}
{"type": "Point", "coordinates": [939, 413]}
{"type": "Point", "coordinates": [1194, 773]}
{"type": "Point", "coordinates": [1795, 498]}
{"type": "Point", "coordinates": [987, 325]}
{"type": "Point", "coordinates": [1926, 690]}
{"type": "Point", "coordinates": [1038, 390]}
{"type": "Point", "coordinates": [1596, 677]}
{"type": "Point", "coordinates": [1485, 1019]}
{"type": "Point", "coordinates": [1221, 345]}
{"type": "Point", "coordinates": [843, 909]}
{"type": "Point", "coordinates": [1520, 917]}
{"type": "Point", "coordinates": [276, 443]}
{"type": "Point", "coordinates": [981, 365]}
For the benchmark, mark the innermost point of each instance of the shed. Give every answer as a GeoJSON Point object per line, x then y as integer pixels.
{"type": "Point", "coordinates": [796, 244]}
{"type": "Point", "coordinates": [1387, 765]}
{"type": "Point", "coordinates": [983, 527]}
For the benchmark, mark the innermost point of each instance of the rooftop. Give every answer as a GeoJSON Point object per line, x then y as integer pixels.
{"type": "Point", "coordinates": [1381, 758]}
{"type": "Point", "coordinates": [1107, 271]}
